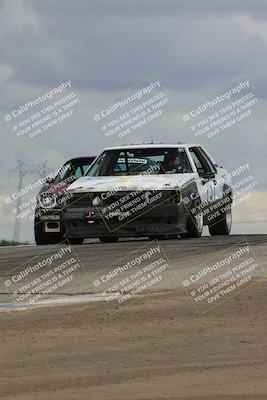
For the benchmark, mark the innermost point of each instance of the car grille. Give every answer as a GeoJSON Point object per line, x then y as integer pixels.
{"type": "Point", "coordinates": [81, 200]}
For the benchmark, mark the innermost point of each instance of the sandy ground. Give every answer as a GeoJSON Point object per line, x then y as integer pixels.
{"type": "Point", "coordinates": [157, 348]}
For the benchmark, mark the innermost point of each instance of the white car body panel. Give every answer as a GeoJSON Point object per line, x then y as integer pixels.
{"type": "Point", "coordinates": [133, 182]}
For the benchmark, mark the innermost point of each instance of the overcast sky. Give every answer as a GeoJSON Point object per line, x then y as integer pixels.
{"type": "Point", "coordinates": [108, 46]}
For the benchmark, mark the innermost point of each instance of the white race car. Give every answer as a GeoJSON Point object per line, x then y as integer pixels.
{"type": "Point", "coordinates": [151, 190]}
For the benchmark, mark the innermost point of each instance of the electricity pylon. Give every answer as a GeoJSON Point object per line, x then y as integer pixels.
{"type": "Point", "coordinates": [22, 169]}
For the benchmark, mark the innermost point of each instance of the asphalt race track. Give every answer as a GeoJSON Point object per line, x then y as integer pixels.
{"type": "Point", "coordinates": [95, 257]}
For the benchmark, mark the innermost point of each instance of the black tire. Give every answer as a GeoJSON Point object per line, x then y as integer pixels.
{"type": "Point", "coordinates": [194, 226]}
{"type": "Point", "coordinates": [42, 238]}
{"type": "Point", "coordinates": [173, 236]}
{"type": "Point", "coordinates": [75, 240]}
{"type": "Point", "coordinates": [223, 226]}
{"type": "Point", "coordinates": [158, 237]}
{"type": "Point", "coordinates": [108, 239]}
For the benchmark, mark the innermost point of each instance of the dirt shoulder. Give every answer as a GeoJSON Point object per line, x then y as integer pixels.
{"type": "Point", "coordinates": [157, 348]}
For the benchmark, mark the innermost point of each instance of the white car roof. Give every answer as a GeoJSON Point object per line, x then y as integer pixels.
{"type": "Point", "coordinates": [149, 146]}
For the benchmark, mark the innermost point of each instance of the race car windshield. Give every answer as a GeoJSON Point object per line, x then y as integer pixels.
{"type": "Point", "coordinates": [73, 170]}
{"type": "Point", "coordinates": [141, 161]}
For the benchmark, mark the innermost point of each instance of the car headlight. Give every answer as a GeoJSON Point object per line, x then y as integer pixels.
{"type": "Point", "coordinates": [47, 200]}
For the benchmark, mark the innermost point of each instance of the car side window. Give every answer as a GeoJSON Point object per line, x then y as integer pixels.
{"type": "Point", "coordinates": [200, 162]}
{"type": "Point", "coordinates": [207, 159]}
{"type": "Point", "coordinates": [78, 172]}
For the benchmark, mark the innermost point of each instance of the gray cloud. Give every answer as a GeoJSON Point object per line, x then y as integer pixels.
{"type": "Point", "coordinates": [109, 45]}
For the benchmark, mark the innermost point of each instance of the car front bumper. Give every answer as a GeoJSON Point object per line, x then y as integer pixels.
{"type": "Point", "coordinates": [50, 220]}
{"type": "Point", "coordinates": [163, 219]}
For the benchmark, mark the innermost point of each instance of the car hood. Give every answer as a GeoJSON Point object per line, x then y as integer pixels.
{"type": "Point", "coordinates": [128, 183]}
{"type": "Point", "coordinates": [59, 188]}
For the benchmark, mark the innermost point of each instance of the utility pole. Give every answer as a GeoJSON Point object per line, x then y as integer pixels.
{"type": "Point", "coordinates": [22, 169]}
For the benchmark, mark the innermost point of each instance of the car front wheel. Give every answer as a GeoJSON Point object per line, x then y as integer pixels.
{"type": "Point", "coordinates": [42, 237]}
{"type": "Point", "coordinates": [223, 226]}
{"type": "Point", "coordinates": [194, 226]}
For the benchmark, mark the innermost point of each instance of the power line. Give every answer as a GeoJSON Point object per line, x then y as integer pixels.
{"type": "Point", "coordinates": [23, 169]}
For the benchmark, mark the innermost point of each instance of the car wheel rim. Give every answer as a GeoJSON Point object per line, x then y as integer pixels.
{"type": "Point", "coordinates": [199, 222]}
{"type": "Point", "coordinates": [229, 219]}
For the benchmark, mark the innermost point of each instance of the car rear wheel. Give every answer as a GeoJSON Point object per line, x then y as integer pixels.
{"type": "Point", "coordinates": [108, 239]}
{"type": "Point", "coordinates": [223, 226]}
